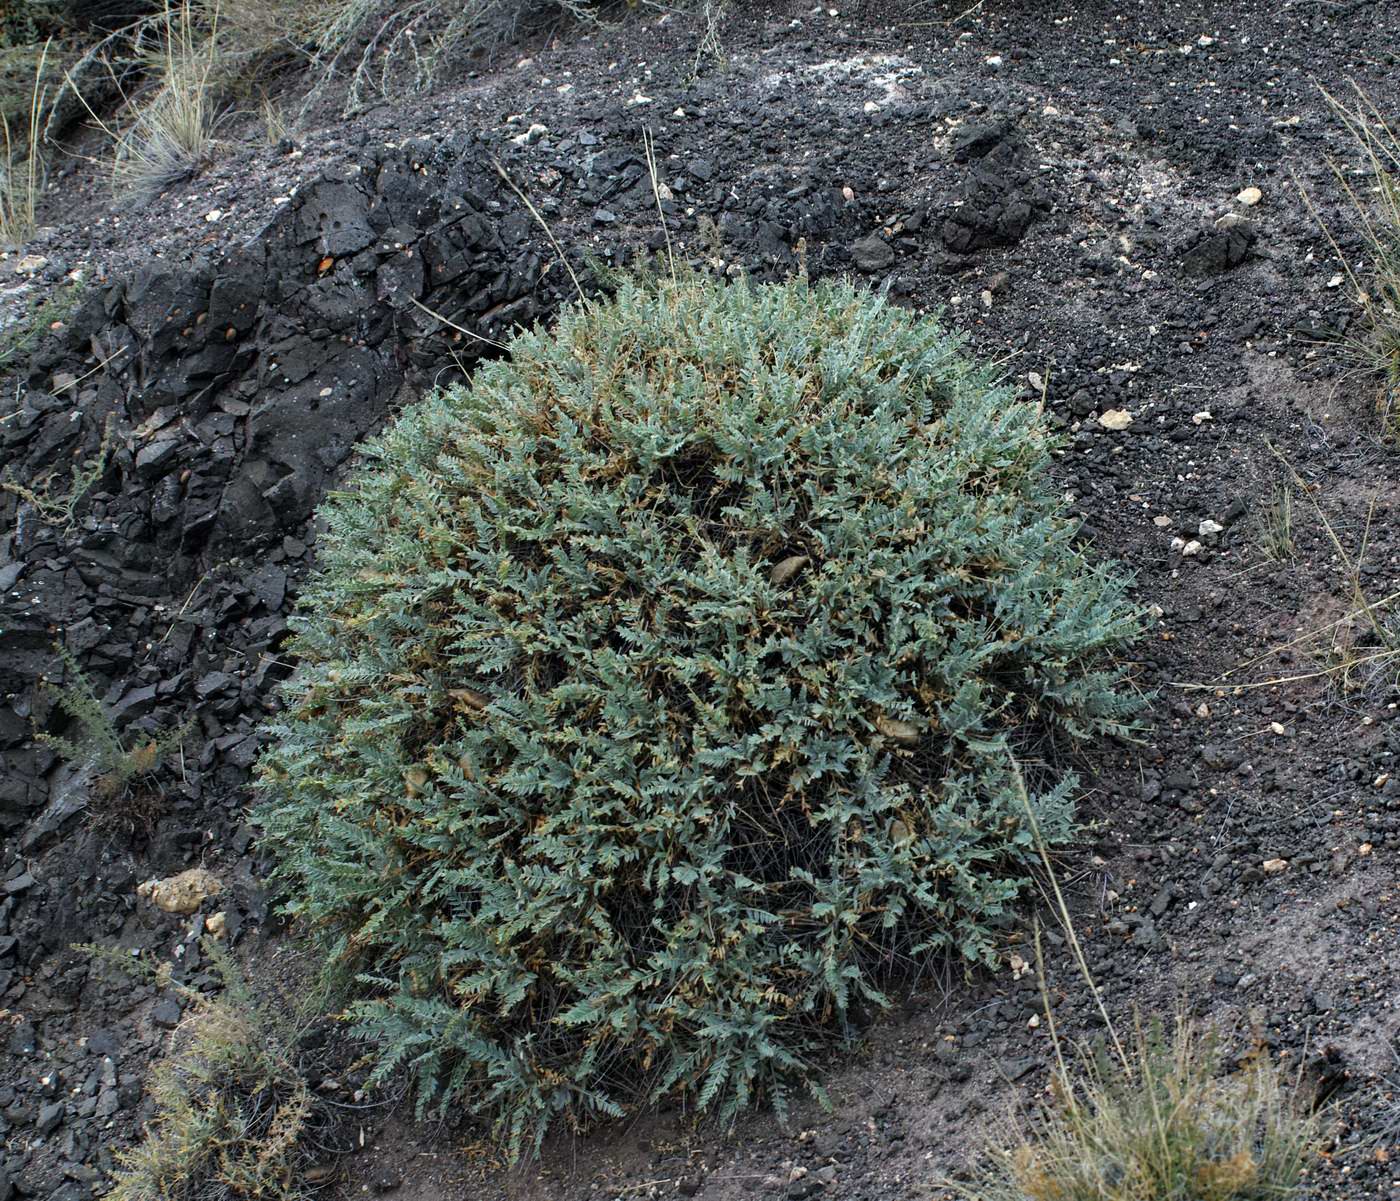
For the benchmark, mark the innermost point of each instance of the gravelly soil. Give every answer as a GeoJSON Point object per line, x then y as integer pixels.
{"type": "Point", "coordinates": [1055, 181]}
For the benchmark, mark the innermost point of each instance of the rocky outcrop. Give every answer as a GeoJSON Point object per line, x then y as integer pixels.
{"type": "Point", "coordinates": [229, 394]}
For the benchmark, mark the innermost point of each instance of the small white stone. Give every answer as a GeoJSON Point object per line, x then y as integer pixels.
{"type": "Point", "coordinates": [1191, 549]}
{"type": "Point", "coordinates": [871, 107]}
{"type": "Point", "coordinates": [1250, 197]}
{"type": "Point", "coordinates": [1203, 710]}
{"type": "Point", "coordinates": [1202, 417]}
{"type": "Point", "coordinates": [995, 61]}
{"type": "Point", "coordinates": [1115, 419]}
{"type": "Point", "coordinates": [1336, 281]}
{"type": "Point", "coordinates": [214, 215]}
{"type": "Point", "coordinates": [1162, 521]}
{"type": "Point", "coordinates": [1274, 866]}
{"type": "Point", "coordinates": [1278, 727]}
{"type": "Point", "coordinates": [1209, 527]}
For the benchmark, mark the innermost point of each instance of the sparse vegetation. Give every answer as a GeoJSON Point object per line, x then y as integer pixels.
{"type": "Point", "coordinates": [116, 763]}
{"type": "Point", "coordinates": [1376, 284]}
{"type": "Point", "coordinates": [657, 697]}
{"type": "Point", "coordinates": [1164, 1125]}
{"type": "Point", "coordinates": [232, 1105]}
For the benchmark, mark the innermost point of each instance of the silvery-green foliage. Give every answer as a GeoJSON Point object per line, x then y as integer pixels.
{"type": "Point", "coordinates": [657, 696]}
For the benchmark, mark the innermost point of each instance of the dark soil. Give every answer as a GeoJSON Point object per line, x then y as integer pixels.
{"type": "Point", "coordinates": [1062, 182]}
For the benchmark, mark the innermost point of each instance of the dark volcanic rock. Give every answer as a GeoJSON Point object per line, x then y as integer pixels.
{"type": "Point", "coordinates": [872, 253]}
{"type": "Point", "coordinates": [999, 196]}
{"type": "Point", "coordinates": [1225, 246]}
{"type": "Point", "coordinates": [234, 391]}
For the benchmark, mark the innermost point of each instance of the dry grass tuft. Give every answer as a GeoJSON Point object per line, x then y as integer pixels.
{"type": "Point", "coordinates": [231, 1103]}
{"type": "Point", "coordinates": [169, 131]}
{"type": "Point", "coordinates": [1147, 1119]}
{"type": "Point", "coordinates": [1165, 1125]}
{"type": "Point", "coordinates": [22, 168]}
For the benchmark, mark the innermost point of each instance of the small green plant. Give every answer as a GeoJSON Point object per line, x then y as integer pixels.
{"type": "Point", "coordinates": [1376, 285]}
{"type": "Point", "coordinates": [59, 507]}
{"type": "Point", "coordinates": [231, 1103]}
{"type": "Point", "coordinates": [1149, 1120]}
{"type": "Point", "coordinates": [1274, 527]}
{"type": "Point", "coordinates": [658, 693]}
{"type": "Point", "coordinates": [1164, 1125]}
{"type": "Point", "coordinates": [171, 135]}
{"type": "Point", "coordinates": [116, 765]}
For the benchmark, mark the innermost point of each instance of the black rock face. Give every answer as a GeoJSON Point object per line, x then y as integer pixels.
{"type": "Point", "coordinates": [228, 396]}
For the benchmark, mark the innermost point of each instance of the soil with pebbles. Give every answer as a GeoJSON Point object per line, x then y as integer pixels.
{"type": "Point", "coordinates": [1070, 188]}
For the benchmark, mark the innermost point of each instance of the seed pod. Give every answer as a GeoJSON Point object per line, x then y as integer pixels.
{"type": "Point", "coordinates": [469, 697]}
{"type": "Point", "coordinates": [415, 780]}
{"type": "Point", "coordinates": [900, 731]}
{"type": "Point", "coordinates": [789, 567]}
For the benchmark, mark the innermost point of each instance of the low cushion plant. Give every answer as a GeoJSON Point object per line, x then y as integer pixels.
{"type": "Point", "coordinates": [659, 692]}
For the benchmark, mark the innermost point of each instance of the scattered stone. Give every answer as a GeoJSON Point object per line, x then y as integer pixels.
{"type": "Point", "coordinates": [49, 1119]}
{"type": "Point", "coordinates": [166, 1013]}
{"type": "Point", "coordinates": [1273, 866]}
{"type": "Point", "coordinates": [872, 253]}
{"type": "Point", "coordinates": [1115, 419]}
{"type": "Point", "coordinates": [184, 893]}
{"type": "Point", "coordinates": [1226, 246]}
{"type": "Point", "coordinates": [20, 883]}
{"type": "Point", "coordinates": [531, 135]}
{"type": "Point", "coordinates": [1250, 197]}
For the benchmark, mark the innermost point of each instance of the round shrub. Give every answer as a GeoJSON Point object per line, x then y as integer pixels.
{"type": "Point", "coordinates": [658, 694]}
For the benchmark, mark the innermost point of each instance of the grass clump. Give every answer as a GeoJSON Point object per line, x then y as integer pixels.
{"type": "Point", "coordinates": [231, 1103]}
{"type": "Point", "coordinates": [1163, 1125]}
{"type": "Point", "coordinates": [658, 695]}
{"type": "Point", "coordinates": [166, 131]}
{"type": "Point", "coordinates": [1274, 527]}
